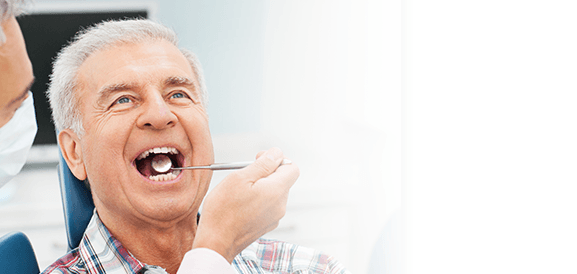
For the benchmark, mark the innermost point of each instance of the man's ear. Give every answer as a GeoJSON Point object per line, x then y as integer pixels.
{"type": "Point", "coordinates": [72, 153]}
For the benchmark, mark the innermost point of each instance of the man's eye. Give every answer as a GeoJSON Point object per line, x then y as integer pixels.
{"type": "Point", "coordinates": [123, 100]}
{"type": "Point", "coordinates": [178, 95]}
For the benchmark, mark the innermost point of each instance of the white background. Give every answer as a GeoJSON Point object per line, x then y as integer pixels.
{"type": "Point", "coordinates": [491, 154]}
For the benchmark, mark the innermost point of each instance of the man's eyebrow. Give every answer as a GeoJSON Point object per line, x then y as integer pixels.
{"type": "Point", "coordinates": [180, 81]}
{"type": "Point", "coordinates": [108, 90]}
{"type": "Point", "coordinates": [115, 88]}
{"type": "Point", "coordinates": [22, 95]}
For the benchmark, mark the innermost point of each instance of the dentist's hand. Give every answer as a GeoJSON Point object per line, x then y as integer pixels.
{"type": "Point", "coordinates": [247, 204]}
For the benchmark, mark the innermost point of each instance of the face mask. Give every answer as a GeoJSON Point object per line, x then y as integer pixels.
{"type": "Point", "coordinates": [16, 138]}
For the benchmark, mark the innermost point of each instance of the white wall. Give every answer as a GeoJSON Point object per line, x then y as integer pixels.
{"type": "Point", "coordinates": [228, 38]}
{"type": "Point", "coordinates": [491, 136]}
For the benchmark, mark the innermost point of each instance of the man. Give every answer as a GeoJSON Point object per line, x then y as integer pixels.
{"type": "Point", "coordinates": [123, 96]}
{"type": "Point", "coordinates": [17, 118]}
{"type": "Point", "coordinates": [18, 128]}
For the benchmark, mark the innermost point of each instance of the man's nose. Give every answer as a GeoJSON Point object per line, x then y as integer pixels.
{"type": "Point", "coordinates": [157, 114]}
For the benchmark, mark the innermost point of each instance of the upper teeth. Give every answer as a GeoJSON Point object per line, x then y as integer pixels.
{"type": "Point", "coordinates": [157, 150]}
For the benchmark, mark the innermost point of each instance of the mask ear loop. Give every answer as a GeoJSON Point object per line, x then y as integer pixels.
{"type": "Point", "coordinates": [2, 37]}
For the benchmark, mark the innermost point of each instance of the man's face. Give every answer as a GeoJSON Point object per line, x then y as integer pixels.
{"type": "Point", "coordinates": [15, 69]}
{"type": "Point", "coordinates": [134, 98]}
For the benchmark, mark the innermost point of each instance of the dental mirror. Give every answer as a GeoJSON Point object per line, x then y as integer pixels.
{"type": "Point", "coordinates": [161, 163]}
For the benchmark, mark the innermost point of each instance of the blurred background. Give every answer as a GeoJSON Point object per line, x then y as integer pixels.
{"type": "Point", "coordinates": [319, 79]}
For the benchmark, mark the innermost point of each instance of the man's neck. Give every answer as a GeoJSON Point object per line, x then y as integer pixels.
{"type": "Point", "coordinates": [163, 246]}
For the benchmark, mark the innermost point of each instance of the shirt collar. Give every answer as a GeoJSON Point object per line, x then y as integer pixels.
{"type": "Point", "coordinates": [103, 253]}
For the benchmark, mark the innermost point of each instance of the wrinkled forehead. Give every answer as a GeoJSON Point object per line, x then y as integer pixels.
{"type": "Point", "coordinates": [126, 65]}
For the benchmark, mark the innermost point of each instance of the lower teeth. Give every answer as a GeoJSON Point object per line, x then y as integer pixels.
{"type": "Point", "coordinates": [165, 177]}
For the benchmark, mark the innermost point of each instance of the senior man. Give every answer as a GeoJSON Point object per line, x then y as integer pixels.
{"type": "Point", "coordinates": [122, 94]}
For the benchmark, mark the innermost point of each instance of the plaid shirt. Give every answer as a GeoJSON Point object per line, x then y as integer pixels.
{"type": "Point", "coordinates": [99, 252]}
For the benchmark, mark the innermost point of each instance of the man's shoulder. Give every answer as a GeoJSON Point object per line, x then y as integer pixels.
{"type": "Point", "coordinates": [282, 257]}
{"type": "Point", "coordinates": [69, 263]}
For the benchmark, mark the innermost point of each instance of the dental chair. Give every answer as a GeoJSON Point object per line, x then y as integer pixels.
{"type": "Point", "coordinates": [76, 202]}
{"type": "Point", "coordinates": [17, 255]}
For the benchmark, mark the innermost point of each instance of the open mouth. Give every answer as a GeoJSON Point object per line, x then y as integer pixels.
{"type": "Point", "coordinates": [148, 161]}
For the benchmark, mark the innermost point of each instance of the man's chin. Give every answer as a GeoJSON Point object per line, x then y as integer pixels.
{"type": "Point", "coordinates": [167, 213]}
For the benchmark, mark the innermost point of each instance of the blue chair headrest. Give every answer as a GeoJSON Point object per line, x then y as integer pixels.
{"type": "Point", "coordinates": [76, 202]}
{"type": "Point", "coordinates": [17, 255]}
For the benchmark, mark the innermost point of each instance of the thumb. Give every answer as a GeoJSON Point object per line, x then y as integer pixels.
{"type": "Point", "coordinates": [264, 165]}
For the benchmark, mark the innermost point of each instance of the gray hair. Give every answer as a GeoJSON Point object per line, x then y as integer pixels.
{"type": "Point", "coordinates": [10, 8]}
{"type": "Point", "coordinates": [63, 81]}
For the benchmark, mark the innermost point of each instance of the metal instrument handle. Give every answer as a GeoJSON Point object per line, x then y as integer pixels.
{"type": "Point", "coordinates": [227, 166]}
